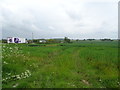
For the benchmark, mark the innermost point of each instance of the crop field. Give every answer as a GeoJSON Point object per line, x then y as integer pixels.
{"type": "Point", "coordinates": [84, 64]}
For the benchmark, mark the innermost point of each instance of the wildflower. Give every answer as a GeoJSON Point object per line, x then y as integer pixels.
{"type": "Point", "coordinates": [10, 48]}
{"type": "Point", "coordinates": [100, 80]}
{"type": "Point", "coordinates": [18, 77]}
{"type": "Point", "coordinates": [3, 79]}
{"type": "Point", "coordinates": [73, 85]}
{"type": "Point", "coordinates": [6, 78]}
{"type": "Point", "coordinates": [118, 83]}
{"type": "Point", "coordinates": [53, 72]}
{"type": "Point", "coordinates": [15, 85]}
{"type": "Point", "coordinates": [26, 74]}
{"type": "Point", "coordinates": [5, 62]}
{"type": "Point", "coordinates": [68, 83]}
{"type": "Point", "coordinates": [24, 77]}
{"type": "Point", "coordinates": [3, 46]}
{"type": "Point", "coordinates": [27, 70]}
{"type": "Point", "coordinates": [13, 76]}
{"type": "Point", "coordinates": [86, 82]}
{"type": "Point", "coordinates": [8, 74]}
{"type": "Point", "coordinates": [22, 73]}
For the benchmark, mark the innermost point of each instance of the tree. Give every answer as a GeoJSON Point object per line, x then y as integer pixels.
{"type": "Point", "coordinates": [4, 40]}
{"type": "Point", "coordinates": [67, 40]}
{"type": "Point", "coordinates": [50, 41]}
{"type": "Point", "coordinates": [77, 40]}
{"type": "Point", "coordinates": [35, 41]}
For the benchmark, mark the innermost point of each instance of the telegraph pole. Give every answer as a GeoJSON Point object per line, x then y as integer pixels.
{"type": "Point", "coordinates": [32, 37]}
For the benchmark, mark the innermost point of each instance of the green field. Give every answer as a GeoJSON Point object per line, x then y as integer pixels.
{"type": "Point", "coordinates": [86, 64]}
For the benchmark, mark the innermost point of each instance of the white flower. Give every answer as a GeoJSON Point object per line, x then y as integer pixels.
{"type": "Point", "coordinates": [22, 73]}
{"type": "Point", "coordinates": [5, 62]}
{"type": "Point", "coordinates": [10, 48]}
{"type": "Point", "coordinates": [9, 74]}
{"type": "Point", "coordinates": [6, 78]}
{"type": "Point", "coordinates": [3, 79]}
{"type": "Point", "coordinates": [100, 80]}
{"type": "Point", "coordinates": [13, 76]}
{"type": "Point", "coordinates": [15, 85]}
{"type": "Point", "coordinates": [73, 85]}
{"type": "Point", "coordinates": [68, 83]}
{"type": "Point", "coordinates": [18, 77]}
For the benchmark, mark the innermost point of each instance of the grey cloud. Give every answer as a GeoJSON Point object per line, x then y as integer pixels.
{"type": "Point", "coordinates": [57, 21]}
{"type": "Point", "coordinates": [74, 15]}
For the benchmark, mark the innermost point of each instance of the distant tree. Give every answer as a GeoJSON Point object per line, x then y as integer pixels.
{"type": "Point", "coordinates": [4, 40]}
{"type": "Point", "coordinates": [50, 41]}
{"type": "Point", "coordinates": [77, 40]}
{"type": "Point", "coordinates": [105, 39]}
{"type": "Point", "coordinates": [29, 41]}
{"type": "Point", "coordinates": [35, 41]}
{"type": "Point", "coordinates": [67, 40]}
{"type": "Point", "coordinates": [90, 39]}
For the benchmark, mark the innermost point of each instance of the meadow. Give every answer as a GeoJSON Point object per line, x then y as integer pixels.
{"type": "Point", "coordinates": [84, 64]}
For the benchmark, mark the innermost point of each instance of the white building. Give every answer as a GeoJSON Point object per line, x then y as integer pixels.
{"type": "Point", "coordinates": [42, 41]}
{"type": "Point", "coordinates": [16, 40]}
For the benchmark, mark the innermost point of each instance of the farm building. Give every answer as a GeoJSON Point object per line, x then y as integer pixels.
{"type": "Point", "coordinates": [16, 40]}
{"type": "Point", "coordinates": [42, 41]}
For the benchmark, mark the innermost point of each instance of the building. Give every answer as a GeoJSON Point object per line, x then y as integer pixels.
{"type": "Point", "coordinates": [16, 40]}
{"type": "Point", "coordinates": [42, 41]}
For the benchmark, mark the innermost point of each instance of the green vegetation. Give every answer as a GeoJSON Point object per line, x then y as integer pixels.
{"type": "Point", "coordinates": [86, 64]}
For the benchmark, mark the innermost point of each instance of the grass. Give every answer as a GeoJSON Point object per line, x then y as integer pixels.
{"type": "Point", "coordinates": [68, 65]}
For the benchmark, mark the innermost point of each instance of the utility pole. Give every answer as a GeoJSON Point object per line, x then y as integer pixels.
{"type": "Point", "coordinates": [32, 37]}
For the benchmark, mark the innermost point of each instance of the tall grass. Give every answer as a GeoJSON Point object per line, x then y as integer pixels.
{"type": "Point", "coordinates": [74, 65]}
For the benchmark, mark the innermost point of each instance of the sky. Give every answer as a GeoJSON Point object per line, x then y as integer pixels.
{"type": "Point", "coordinates": [76, 19]}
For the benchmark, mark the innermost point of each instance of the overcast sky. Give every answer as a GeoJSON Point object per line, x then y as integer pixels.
{"type": "Point", "coordinates": [59, 18]}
